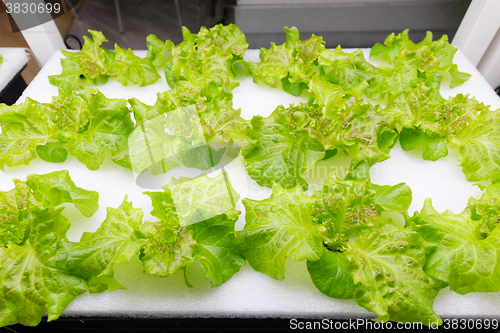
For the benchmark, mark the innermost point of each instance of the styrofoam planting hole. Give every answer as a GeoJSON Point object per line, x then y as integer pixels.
{"type": "Point", "coordinates": [259, 99]}
{"type": "Point", "coordinates": [443, 180]}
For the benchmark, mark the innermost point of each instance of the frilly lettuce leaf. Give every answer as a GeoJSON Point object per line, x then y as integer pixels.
{"type": "Point", "coordinates": [184, 128]}
{"type": "Point", "coordinates": [291, 141]}
{"type": "Point", "coordinates": [129, 67]}
{"type": "Point", "coordinates": [433, 123]}
{"type": "Point", "coordinates": [364, 132]}
{"type": "Point", "coordinates": [462, 256]}
{"type": "Point", "coordinates": [157, 50]}
{"type": "Point", "coordinates": [42, 191]}
{"type": "Point", "coordinates": [421, 108]}
{"type": "Point", "coordinates": [206, 59]}
{"type": "Point", "coordinates": [433, 146]}
{"type": "Point", "coordinates": [150, 143]}
{"type": "Point", "coordinates": [33, 245]}
{"type": "Point", "coordinates": [457, 77]}
{"type": "Point", "coordinates": [201, 198]}
{"type": "Point", "coordinates": [24, 127]}
{"type": "Point", "coordinates": [224, 42]}
{"type": "Point", "coordinates": [279, 227]}
{"type": "Point", "coordinates": [395, 198]}
{"type": "Point", "coordinates": [387, 268]}
{"type": "Point", "coordinates": [327, 95]}
{"type": "Point", "coordinates": [203, 81]}
{"type": "Point", "coordinates": [350, 250]}
{"type": "Point", "coordinates": [216, 248]}
{"type": "Point", "coordinates": [350, 71]}
{"type": "Point", "coordinates": [32, 284]}
{"type": "Point", "coordinates": [344, 208]}
{"type": "Point", "coordinates": [226, 39]}
{"type": "Point", "coordinates": [478, 146]}
{"type": "Point", "coordinates": [486, 210]}
{"type": "Point", "coordinates": [432, 59]}
{"type": "Point", "coordinates": [400, 78]}
{"type": "Point", "coordinates": [15, 213]}
{"type": "Point", "coordinates": [196, 224]}
{"type": "Point", "coordinates": [330, 275]}
{"type": "Point", "coordinates": [118, 239]}
{"type": "Point", "coordinates": [290, 223]}
{"type": "Point", "coordinates": [224, 128]}
{"type": "Point", "coordinates": [52, 151]}
{"type": "Point", "coordinates": [459, 111]}
{"type": "Point", "coordinates": [292, 63]}
{"type": "Point", "coordinates": [87, 125]}
{"type": "Point", "coordinates": [168, 248]}
{"type": "Point", "coordinates": [164, 135]}
{"type": "Point", "coordinates": [56, 188]}
{"type": "Point", "coordinates": [347, 209]}
{"type": "Point", "coordinates": [287, 147]}
{"type": "Point", "coordinates": [94, 58]}
{"type": "Point", "coordinates": [108, 126]}
{"type": "Point", "coordinates": [94, 64]}
{"type": "Point", "coordinates": [412, 64]}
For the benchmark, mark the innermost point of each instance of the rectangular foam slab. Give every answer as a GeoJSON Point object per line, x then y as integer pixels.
{"type": "Point", "coordinates": [249, 293]}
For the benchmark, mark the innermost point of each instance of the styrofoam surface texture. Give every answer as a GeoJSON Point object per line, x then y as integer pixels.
{"type": "Point", "coordinates": [14, 59]}
{"type": "Point", "coordinates": [250, 293]}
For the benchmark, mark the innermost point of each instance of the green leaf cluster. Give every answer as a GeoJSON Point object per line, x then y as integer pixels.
{"type": "Point", "coordinates": [201, 72]}
{"type": "Point", "coordinates": [292, 140]}
{"type": "Point", "coordinates": [197, 111]}
{"type": "Point", "coordinates": [351, 251]}
{"type": "Point", "coordinates": [427, 61]}
{"type": "Point", "coordinates": [286, 147]}
{"type": "Point", "coordinates": [206, 59]}
{"type": "Point", "coordinates": [426, 120]}
{"type": "Point", "coordinates": [184, 128]}
{"type": "Point", "coordinates": [198, 108]}
{"type": "Point", "coordinates": [86, 125]}
{"type": "Point", "coordinates": [406, 65]}
{"type": "Point", "coordinates": [42, 271]}
{"type": "Point", "coordinates": [465, 246]}
{"type": "Point", "coordinates": [32, 241]}
{"type": "Point", "coordinates": [196, 220]}
{"type": "Point", "coordinates": [338, 117]}
{"type": "Point", "coordinates": [292, 64]}
{"type": "Point", "coordinates": [95, 64]}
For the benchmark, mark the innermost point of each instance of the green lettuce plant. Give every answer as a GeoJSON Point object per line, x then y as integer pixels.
{"type": "Point", "coordinates": [351, 251]}
{"type": "Point", "coordinates": [42, 271]}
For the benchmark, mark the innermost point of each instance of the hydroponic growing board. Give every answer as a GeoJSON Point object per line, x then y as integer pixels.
{"type": "Point", "coordinates": [250, 293]}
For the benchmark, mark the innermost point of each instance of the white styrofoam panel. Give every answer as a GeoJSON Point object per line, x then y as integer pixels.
{"type": "Point", "coordinates": [250, 293]}
{"type": "Point", "coordinates": [14, 59]}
